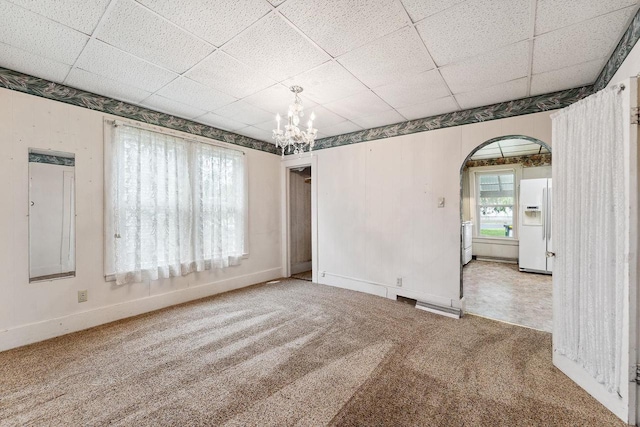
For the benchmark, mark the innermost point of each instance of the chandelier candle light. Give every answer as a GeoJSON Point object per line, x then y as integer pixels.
{"type": "Point", "coordinates": [292, 139]}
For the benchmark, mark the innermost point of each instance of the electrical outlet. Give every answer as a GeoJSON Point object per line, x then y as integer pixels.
{"type": "Point", "coordinates": [441, 202]}
{"type": "Point", "coordinates": [82, 296]}
{"type": "Point", "coordinates": [399, 282]}
{"type": "Point", "coordinates": [322, 273]}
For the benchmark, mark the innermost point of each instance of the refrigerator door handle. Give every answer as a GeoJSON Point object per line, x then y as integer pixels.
{"type": "Point", "coordinates": [543, 214]}
{"type": "Point", "coordinates": [548, 213]}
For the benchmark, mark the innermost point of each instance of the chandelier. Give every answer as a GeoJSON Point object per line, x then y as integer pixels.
{"type": "Point", "coordinates": [292, 139]}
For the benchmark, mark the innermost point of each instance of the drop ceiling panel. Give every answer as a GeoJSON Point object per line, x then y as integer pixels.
{"type": "Point", "coordinates": [388, 59]}
{"type": "Point", "coordinates": [505, 64]}
{"type": "Point", "coordinates": [566, 78]}
{"type": "Point", "coordinates": [529, 152]}
{"type": "Point", "coordinates": [220, 122]}
{"type": "Point", "coordinates": [276, 99]}
{"type": "Point", "coordinates": [230, 16]}
{"type": "Point", "coordinates": [169, 106]}
{"type": "Point", "coordinates": [555, 14]}
{"type": "Point", "coordinates": [81, 15]}
{"type": "Point", "coordinates": [226, 74]}
{"type": "Point", "coordinates": [135, 29]}
{"type": "Point", "coordinates": [530, 147]}
{"type": "Point", "coordinates": [428, 109]}
{"type": "Point", "coordinates": [85, 80]}
{"type": "Point", "coordinates": [341, 128]}
{"type": "Point", "coordinates": [274, 48]}
{"type": "Point", "coordinates": [420, 9]}
{"type": "Point", "coordinates": [579, 43]}
{"type": "Point", "coordinates": [380, 119]}
{"type": "Point", "coordinates": [38, 35]}
{"type": "Point", "coordinates": [28, 63]}
{"type": "Point", "coordinates": [193, 93]}
{"type": "Point", "coordinates": [324, 117]}
{"type": "Point", "coordinates": [326, 83]}
{"type": "Point", "coordinates": [416, 89]}
{"type": "Point", "coordinates": [107, 61]}
{"type": "Point", "coordinates": [510, 143]}
{"type": "Point", "coordinates": [244, 112]}
{"type": "Point", "coordinates": [256, 133]}
{"type": "Point", "coordinates": [474, 27]}
{"type": "Point", "coordinates": [362, 104]}
{"type": "Point", "coordinates": [340, 26]}
{"type": "Point", "coordinates": [514, 89]}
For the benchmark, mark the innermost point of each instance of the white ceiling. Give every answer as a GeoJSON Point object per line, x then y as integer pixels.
{"type": "Point", "coordinates": [509, 148]}
{"type": "Point", "coordinates": [362, 63]}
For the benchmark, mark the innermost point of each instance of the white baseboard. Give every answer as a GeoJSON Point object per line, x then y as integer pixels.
{"type": "Point", "coordinates": [382, 290]}
{"type": "Point", "coordinates": [39, 331]}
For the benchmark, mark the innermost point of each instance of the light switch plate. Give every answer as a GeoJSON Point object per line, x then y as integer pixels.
{"type": "Point", "coordinates": [82, 296]}
{"type": "Point", "coordinates": [441, 202]}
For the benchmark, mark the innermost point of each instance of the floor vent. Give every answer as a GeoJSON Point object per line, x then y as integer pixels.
{"type": "Point", "coordinates": [453, 312]}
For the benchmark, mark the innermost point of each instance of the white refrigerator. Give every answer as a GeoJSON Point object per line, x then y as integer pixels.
{"type": "Point", "coordinates": [535, 226]}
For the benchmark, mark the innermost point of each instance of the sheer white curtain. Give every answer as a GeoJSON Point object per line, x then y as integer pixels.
{"type": "Point", "coordinates": [590, 226]}
{"type": "Point", "coordinates": [173, 206]}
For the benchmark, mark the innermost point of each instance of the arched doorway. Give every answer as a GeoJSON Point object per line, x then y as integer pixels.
{"type": "Point", "coordinates": [493, 276]}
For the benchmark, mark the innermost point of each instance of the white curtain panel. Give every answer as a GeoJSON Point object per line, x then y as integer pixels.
{"type": "Point", "coordinates": [176, 206]}
{"type": "Point", "coordinates": [589, 232]}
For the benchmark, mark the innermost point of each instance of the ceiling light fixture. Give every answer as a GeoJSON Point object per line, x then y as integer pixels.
{"type": "Point", "coordinates": [292, 139]}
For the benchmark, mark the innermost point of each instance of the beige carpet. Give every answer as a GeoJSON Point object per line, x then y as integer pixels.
{"type": "Point", "coordinates": [294, 353]}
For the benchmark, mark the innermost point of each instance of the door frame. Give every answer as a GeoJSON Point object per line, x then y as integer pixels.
{"type": "Point", "coordinates": [288, 163]}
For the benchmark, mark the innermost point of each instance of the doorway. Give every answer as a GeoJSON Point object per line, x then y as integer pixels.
{"type": "Point", "coordinates": [300, 248]}
{"type": "Point", "coordinates": [499, 218]}
{"type": "Point", "coordinates": [299, 191]}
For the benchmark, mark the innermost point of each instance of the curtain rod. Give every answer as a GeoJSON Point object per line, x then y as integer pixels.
{"type": "Point", "coordinates": [152, 128]}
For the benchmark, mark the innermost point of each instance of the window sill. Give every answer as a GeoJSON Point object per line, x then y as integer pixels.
{"type": "Point", "coordinates": [510, 241]}
{"type": "Point", "coordinates": [112, 277]}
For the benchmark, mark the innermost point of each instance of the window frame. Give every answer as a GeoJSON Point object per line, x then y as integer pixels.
{"type": "Point", "coordinates": [108, 126]}
{"type": "Point", "coordinates": [474, 183]}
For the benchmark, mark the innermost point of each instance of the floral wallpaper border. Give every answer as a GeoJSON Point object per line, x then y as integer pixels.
{"type": "Point", "coordinates": [51, 159]}
{"type": "Point", "coordinates": [529, 161]}
{"type": "Point", "coordinates": [31, 85]}
{"type": "Point", "coordinates": [534, 104]}
{"type": "Point", "coordinates": [620, 53]}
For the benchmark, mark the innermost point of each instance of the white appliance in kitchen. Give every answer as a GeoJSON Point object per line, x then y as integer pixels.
{"type": "Point", "coordinates": [467, 237]}
{"type": "Point", "coordinates": [535, 226]}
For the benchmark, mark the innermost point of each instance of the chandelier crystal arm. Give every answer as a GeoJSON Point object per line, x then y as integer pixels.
{"type": "Point", "coordinates": [292, 139]}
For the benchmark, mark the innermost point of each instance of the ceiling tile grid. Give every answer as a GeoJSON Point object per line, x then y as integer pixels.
{"type": "Point", "coordinates": [580, 42]}
{"type": "Point", "coordinates": [226, 74]}
{"type": "Point", "coordinates": [230, 16]}
{"type": "Point", "coordinates": [80, 15]}
{"type": "Point", "coordinates": [474, 27]}
{"type": "Point", "coordinates": [363, 64]}
{"type": "Point", "coordinates": [135, 29]}
{"type": "Point", "coordinates": [508, 91]}
{"type": "Point", "coordinates": [431, 108]}
{"type": "Point", "coordinates": [507, 63]}
{"type": "Point", "coordinates": [326, 83]}
{"type": "Point", "coordinates": [28, 63]}
{"type": "Point", "coordinates": [85, 80]}
{"type": "Point", "coordinates": [275, 48]}
{"type": "Point", "coordinates": [38, 35]}
{"type": "Point", "coordinates": [193, 93]}
{"type": "Point", "coordinates": [416, 89]}
{"type": "Point", "coordinates": [166, 105]}
{"type": "Point", "coordinates": [388, 59]}
{"type": "Point", "coordinates": [339, 26]}
{"type": "Point", "coordinates": [104, 60]}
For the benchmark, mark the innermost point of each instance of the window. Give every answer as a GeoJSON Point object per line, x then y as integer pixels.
{"type": "Point", "coordinates": [495, 203]}
{"type": "Point", "coordinates": [173, 206]}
